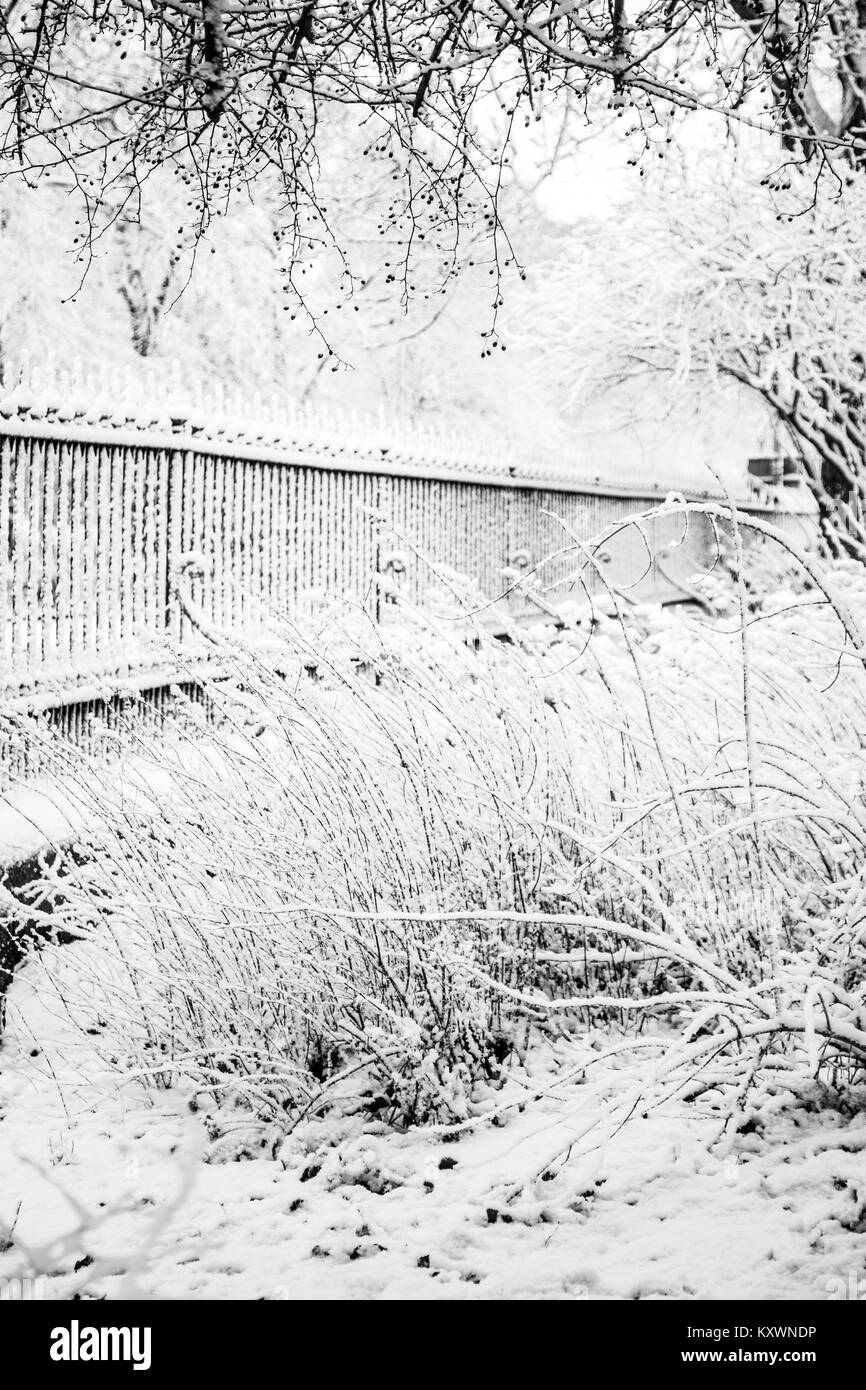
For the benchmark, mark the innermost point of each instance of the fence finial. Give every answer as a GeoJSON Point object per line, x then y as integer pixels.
{"type": "Point", "coordinates": [161, 399]}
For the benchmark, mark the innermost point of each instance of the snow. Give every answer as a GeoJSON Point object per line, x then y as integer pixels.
{"type": "Point", "coordinates": [49, 812]}
{"type": "Point", "coordinates": [33, 817]}
{"type": "Point", "coordinates": [346, 1208]}
{"type": "Point", "coordinates": [406, 965]}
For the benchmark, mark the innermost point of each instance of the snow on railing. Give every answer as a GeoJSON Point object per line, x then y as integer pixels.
{"type": "Point", "coordinates": [155, 407]}
{"type": "Point", "coordinates": [105, 489]}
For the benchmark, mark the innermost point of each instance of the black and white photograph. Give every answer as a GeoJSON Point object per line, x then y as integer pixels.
{"type": "Point", "coordinates": [433, 663]}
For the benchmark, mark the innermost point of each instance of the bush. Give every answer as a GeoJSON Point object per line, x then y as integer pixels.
{"type": "Point", "coordinates": [386, 853]}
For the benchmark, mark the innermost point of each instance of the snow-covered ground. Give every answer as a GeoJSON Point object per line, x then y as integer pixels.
{"type": "Point", "coordinates": [113, 1192]}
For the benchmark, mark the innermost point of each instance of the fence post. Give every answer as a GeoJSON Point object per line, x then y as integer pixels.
{"type": "Point", "coordinates": [173, 532]}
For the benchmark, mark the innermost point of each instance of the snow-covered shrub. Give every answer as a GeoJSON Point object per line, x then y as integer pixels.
{"type": "Point", "coordinates": [718, 846]}
{"type": "Point", "coordinates": [388, 852]}
{"type": "Point", "coordinates": [240, 873]}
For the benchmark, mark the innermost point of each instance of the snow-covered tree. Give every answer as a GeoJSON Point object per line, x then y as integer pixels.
{"type": "Point", "coordinates": [367, 153]}
{"type": "Point", "coordinates": [695, 288]}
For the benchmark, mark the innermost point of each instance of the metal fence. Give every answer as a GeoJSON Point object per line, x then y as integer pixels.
{"type": "Point", "coordinates": [95, 515]}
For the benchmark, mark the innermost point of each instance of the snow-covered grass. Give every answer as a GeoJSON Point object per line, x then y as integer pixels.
{"type": "Point", "coordinates": [539, 899]}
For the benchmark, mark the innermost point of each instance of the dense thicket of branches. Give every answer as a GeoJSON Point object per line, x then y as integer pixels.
{"type": "Point", "coordinates": [232, 90]}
